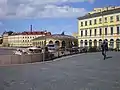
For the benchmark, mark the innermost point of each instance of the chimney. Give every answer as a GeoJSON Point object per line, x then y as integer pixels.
{"type": "Point", "coordinates": [31, 28]}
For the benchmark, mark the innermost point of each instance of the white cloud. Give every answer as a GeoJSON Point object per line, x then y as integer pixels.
{"type": "Point", "coordinates": [39, 9]}
{"type": "Point", "coordinates": [68, 29]}
{"type": "Point", "coordinates": [65, 11]}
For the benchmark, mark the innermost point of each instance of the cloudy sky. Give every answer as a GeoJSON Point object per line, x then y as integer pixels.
{"type": "Point", "coordinates": [51, 15]}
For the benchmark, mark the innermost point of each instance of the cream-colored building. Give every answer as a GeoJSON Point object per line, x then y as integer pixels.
{"type": "Point", "coordinates": [98, 25]}
{"type": "Point", "coordinates": [23, 39]}
{"type": "Point", "coordinates": [75, 34]}
{"type": "Point", "coordinates": [0, 41]}
{"type": "Point", "coordinates": [58, 39]}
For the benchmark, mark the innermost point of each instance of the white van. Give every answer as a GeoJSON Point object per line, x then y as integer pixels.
{"type": "Point", "coordinates": [52, 48]}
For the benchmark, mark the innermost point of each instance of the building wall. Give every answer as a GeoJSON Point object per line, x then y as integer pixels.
{"type": "Point", "coordinates": [41, 42]}
{"type": "Point", "coordinates": [5, 40]}
{"type": "Point", "coordinates": [75, 34]}
{"type": "Point", "coordinates": [97, 26]}
{"type": "Point", "coordinates": [21, 40]}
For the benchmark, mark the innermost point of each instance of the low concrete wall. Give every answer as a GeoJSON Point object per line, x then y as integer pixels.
{"type": "Point", "coordinates": [20, 59]}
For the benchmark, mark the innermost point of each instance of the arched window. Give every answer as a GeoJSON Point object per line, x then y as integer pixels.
{"type": "Point", "coordinates": [63, 44]}
{"type": "Point", "coordinates": [90, 43]}
{"type": "Point", "coordinates": [95, 43]}
{"type": "Point", "coordinates": [81, 43]}
{"type": "Point", "coordinates": [111, 43]}
{"type": "Point", "coordinates": [57, 43]}
{"type": "Point", "coordinates": [50, 42]}
{"type": "Point", "coordinates": [100, 43]}
{"type": "Point", "coordinates": [86, 42]}
{"type": "Point", "coordinates": [118, 43]}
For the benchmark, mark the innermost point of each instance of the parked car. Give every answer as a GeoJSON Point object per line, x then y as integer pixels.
{"type": "Point", "coordinates": [75, 49]}
{"type": "Point", "coordinates": [52, 48]}
{"type": "Point", "coordinates": [30, 50]}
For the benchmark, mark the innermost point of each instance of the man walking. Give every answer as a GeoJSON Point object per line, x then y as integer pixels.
{"type": "Point", "coordinates": [104, 47]}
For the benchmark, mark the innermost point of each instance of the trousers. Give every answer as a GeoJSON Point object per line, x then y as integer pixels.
{"type": "Point", "coordinates": [104, 53]}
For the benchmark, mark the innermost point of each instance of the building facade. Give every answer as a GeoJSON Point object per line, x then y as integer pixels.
{"type": "Point", "coordinates": [98, 25]}
{"type": "Point", "coordinates": [23, 39]}
{"type": "Point", "coordinates": [75, 34]}
{"type": "Point", "coordinates": [58, 39]}
{"type": "Point", "coordinates": [1, 41]}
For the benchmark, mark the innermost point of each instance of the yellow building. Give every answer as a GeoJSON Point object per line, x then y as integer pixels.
{"type": "Point", "coordinates": [75, 34]}
{"type": "Point", "coordinates": [1, 41]}
{"type": "Point", "coordinates": [58, 39]}
{"type": "Point", "coordinates": [23, 39]}
{"type": "Point", "coordinates": [98, 25]}
{"type": "Point", "coordinates": [5, 39]}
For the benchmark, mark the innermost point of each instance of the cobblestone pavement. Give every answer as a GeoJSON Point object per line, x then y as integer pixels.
{"type": "Point", "coordinates": [78, 72]}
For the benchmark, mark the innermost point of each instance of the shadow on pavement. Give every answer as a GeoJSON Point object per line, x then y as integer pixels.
{"type": "Point", "coordinates": [108, 57]}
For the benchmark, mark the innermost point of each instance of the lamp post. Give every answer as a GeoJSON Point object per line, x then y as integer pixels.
{"type": "Point", "coordinates": [44, 51]}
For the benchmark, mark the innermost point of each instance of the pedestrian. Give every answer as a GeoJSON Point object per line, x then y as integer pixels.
{"type": "Point", "coordinates": [104, 47]}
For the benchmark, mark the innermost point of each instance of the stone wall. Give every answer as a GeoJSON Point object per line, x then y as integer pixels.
{"type": "Point", "coordinates": [20, 59]}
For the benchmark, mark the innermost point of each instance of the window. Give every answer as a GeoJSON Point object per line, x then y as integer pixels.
{"type": "Point", "coordinates": [81, 23]}
{"type": "Point", "coordinates": [81, 33]}
{"type": "Point", "coordinates": [105, 31]}
{"type": "Point", "coordinates": [85, 23]}
{"type": "Point", "coordinates": [90, 32]}
{"type": "Point", "coordinates": [85, 32]}
{"type": "Point", "coordinates": [117, 18]}
{"type": "Point", "coordinates": [95, 32]}
{"type": "Point", "coordinates": [111, 19]}
{"type": "Point", "coordinates": [95, 21]}
{"type": "Point", "coordinates": [86, 42]}
{"type": "Point", "coordinates": [117, 30]}
{"type": "Point", "coordinates": [105, 19]}
{"type": "Point", "coordinates": [100, 20]}
{"type": "Point", "coordinates": [111, 30]}
{"type": "Point", "coordinates": [100, 31]}
{"type": "Point", "coordinates": [90, 22]}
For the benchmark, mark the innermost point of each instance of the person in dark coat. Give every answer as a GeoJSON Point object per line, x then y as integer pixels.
{"type": "Point", "coordinates": [104, 47]}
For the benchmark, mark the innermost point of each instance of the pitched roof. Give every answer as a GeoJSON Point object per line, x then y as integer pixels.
{"type": "Point", "coordinates": [33, 33]}
{"type": "Point", "coordinates": [55, 36]}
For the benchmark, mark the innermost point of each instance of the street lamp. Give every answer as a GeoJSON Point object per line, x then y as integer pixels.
{"type": "Point", "coordinates": [44, 51]}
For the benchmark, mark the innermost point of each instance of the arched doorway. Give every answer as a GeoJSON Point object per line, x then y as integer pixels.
{"type": "Point", "coordinates": [106, 40]}
{"type": "Point", "coordinates": [118, 43]}
{"type": "Point", "coordinates": [63, 44]}
{"type": "Point", "coordinates": [81, 43]}
{"type": "Point", "coordinates": [86, 43]}
{"type": "Point", "coordinates": [57, 43]}
{"type": "Point", "coordinates": [111, 43]}
{"type": "Point", "coordinates": [50, 42]}
{"type": "Point", "coordinates": [95, 43]}
{"type": "Point", "coordinates": [90, 43]}
{"type": "Point", "coordinates": [100, 43]}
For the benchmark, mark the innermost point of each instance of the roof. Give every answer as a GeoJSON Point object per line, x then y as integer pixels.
{"type": "Point", "coordinates": [33, 33]}
{"type": "Point", "coordinates": [56, 36]}
{"type": "Point", "coordinates": [87, 16]}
